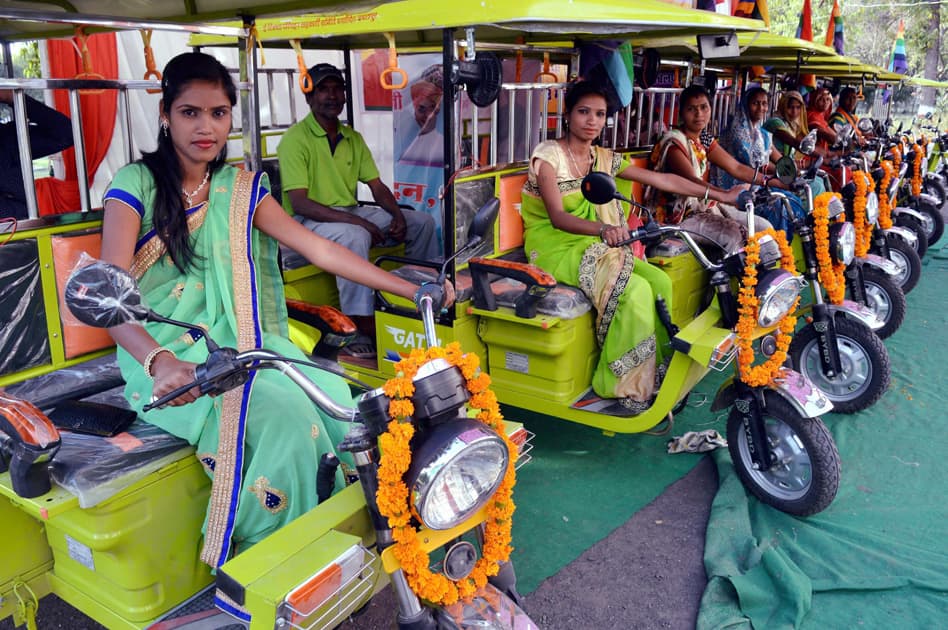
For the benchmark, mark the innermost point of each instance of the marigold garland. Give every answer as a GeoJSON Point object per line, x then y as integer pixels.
{"type": "Point", "coordinates": [830, 273]}
{"type": "Point", "coordinates": [863, 229]}
{"type": "Point", "coordinates": [763, 374]}
{"type": "Point", "coordinates": [885, 204]}
{"type": "Point", "coordinates": [393, 495]}
{"type": "Point", "coordinates": [897, 156]}
{"type": "Point", "coordinates": [917, 171]}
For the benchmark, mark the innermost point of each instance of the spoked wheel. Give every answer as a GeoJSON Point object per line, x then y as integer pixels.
{"type": "Point", "coordinates": [886, 299]}
{"type": "Point", "coordinates": [911, 223]}
{"type": "Point", "coordinates": [864, 359]}
{"type": "Point", "coordinates": [910, 265]}
{"type": "Point", "coordinates": [933, 222]}
{"type": "Point", "coordinates": [803, 477]}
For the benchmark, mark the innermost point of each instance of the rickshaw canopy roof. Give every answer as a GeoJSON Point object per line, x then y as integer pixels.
{"type": "Point", "coordinates": [44, 19]}
{"type": "Point", "coordinates": [418, 22]}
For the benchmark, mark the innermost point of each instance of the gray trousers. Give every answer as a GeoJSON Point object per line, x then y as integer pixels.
{"type": "Point", "coordinates": [421, 242]}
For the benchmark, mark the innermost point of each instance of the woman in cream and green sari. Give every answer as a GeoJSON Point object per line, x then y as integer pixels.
{"type": "Point", "coordinates": [576, 241]}
{"type": "Point", "coordinates": [201, 238]}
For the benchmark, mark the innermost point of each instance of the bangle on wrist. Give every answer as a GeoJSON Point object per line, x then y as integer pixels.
{"type": "Point", "coordinates": [150, 359]}
{"type": "Point", "coordinates": [707, 191]}
{"type": "Point", "coordinates": [602, 230]}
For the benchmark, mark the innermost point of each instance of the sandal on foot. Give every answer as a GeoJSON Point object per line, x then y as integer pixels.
{"type": "Point", "coordinates": [361, 347]}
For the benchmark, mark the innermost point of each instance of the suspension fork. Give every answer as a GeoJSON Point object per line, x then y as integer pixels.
{"type": "Point", "coordinates": [749, 404]}
{"type": "Point", "coordinates": [823, 322]}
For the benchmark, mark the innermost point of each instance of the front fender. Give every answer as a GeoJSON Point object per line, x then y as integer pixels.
{"type": "Point", "coordinates": [884, 264]}
{"type": "Point", "coordinates": [860, 312]}
{"type": "Point", "coordinates": [794, 387]}
{"type": "Point", "coordinates": [928, 198]}
{"type": "Point", "coordinates": [912, 212]}
{"type": "Point", "coordinates": [905, 234]}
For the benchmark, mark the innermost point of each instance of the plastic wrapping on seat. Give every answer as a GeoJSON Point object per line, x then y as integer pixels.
{"type": "Point", "coordinates": [71, 383]}
{"type": "Point", "coordinates": [564, 301]}
{"type": "Point", "coordinates": [97, 468]}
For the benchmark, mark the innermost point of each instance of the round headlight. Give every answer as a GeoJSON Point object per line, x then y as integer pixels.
{"type": "Point", "coordinates": [777, 291]}
{"type": "Point", "coordinates": [872, 207]}
{"type": "Point", "coordinates": [455, 470]}
{"type": "Point", "coordinates": [843, 242]}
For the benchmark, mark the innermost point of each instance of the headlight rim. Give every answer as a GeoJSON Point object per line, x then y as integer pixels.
{"type": "Point", "coordinates": [872, 207]}
{"type": "Point", "coordinates": [429, 453]}
{"type": "Point", "coordinates": [838, 232]}
{"type": "Point", "coordinates": [769, 286]}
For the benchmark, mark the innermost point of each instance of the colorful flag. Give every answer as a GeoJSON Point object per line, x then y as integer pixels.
{"type": "Point", "coordinates": [898, 62]}
{"type": "Point", "coordinates": [834, 30]}
{"type": "Point", "coordinates": [805, 31]}
{"type": "Point", "coordinates": [753, 9]}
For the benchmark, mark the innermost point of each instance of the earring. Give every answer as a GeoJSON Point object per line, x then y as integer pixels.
{"type": "Point", "coordinates": [164, 127]}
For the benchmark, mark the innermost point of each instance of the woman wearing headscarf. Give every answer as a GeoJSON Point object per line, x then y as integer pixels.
{"type": "Point", "coordinates": [748, 143]}
{"type": "Point", "coordinates": [789, 127]}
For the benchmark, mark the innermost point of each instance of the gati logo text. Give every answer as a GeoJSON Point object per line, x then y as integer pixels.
{"type": "Point", "coordinates": [407, 338]}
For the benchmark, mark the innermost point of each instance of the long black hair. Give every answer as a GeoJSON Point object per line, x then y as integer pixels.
{"type": "Point", "coordinates": [170, 221]}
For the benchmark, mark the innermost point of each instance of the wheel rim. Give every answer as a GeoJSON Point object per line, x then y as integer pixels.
{"type": "Point", "coordinates": [928, 224]}
{"type": "Point", "coordinates": [791, 475]}
{"type": "Point", "coordinates": [856, 375]}
{"type": "Point", "coordinates": [902, 261]}
{"type": "Point", "coordinates": [878, 300]}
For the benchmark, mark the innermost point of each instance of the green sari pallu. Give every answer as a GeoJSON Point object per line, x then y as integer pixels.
{"type": "Point", "coordinates": [621, 288]}
{"type": "Point", "coordinates": [261, 442]}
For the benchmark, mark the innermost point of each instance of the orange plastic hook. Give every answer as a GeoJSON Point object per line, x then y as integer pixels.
{"type": "Point", "coordinates": [87, 72]}
{"type": "Point", "coordinates": [305, 81]}
{"type": "Point", "coordinates": [546, 71]}
{"type": "Point", "coordinates": [151, 68]}
{"type": "Point", "coordinates": [392, 68]}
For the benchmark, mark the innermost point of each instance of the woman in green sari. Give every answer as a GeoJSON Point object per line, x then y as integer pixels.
{"type": "Point", "coordinates": [576, 241]}
{"type": "Point", "coordinates": [201, 238]}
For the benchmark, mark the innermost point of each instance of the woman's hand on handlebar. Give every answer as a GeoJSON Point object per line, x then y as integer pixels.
{"type": "Point", "coordinates": [171, 373]}
{"type": "Point", "coordinates": [612, 235]}
{"type": "Point", "coordinates": [729, 196]}
{"type": "Point", "coordinates": [449, 295]}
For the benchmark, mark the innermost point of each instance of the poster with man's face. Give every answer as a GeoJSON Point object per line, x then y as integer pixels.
{"type": "Point", "coordinates": [418, 120]}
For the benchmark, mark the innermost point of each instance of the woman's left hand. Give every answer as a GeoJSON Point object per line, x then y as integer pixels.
{"type": "Point", "coordinates": [612, 235]}
{"type": "Point", "coordinates": [730, 196]}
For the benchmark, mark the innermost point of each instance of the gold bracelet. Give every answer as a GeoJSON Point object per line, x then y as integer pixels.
{"type": "Point", "coordinates": [150, 358]}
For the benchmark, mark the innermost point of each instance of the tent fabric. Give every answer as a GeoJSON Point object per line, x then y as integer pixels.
{"type": "Point", "coordinates": [879, 553]}
{"type": "Point", "coordinates": [57, 196]}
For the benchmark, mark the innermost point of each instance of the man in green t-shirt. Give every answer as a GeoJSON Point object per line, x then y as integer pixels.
{"type": "Point", "coordinates": [321, 163]}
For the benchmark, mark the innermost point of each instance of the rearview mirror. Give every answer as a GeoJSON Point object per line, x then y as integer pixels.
{"type": "Point", "coordinates": [865, 124]}
{"type": "Point", "coordinates": [808, 143]}
{"type": "Point", "coordinates": [104, 295]}
{"type": "Point", "coordinates": [786, 170]}
{"type": "Point", "coordinates": [483, 220]}
{"type": "Point", "coordinates": [600, 188]}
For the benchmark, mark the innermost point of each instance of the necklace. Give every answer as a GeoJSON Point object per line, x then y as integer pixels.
{"type": "Point", "coordinates": [576, 170]}
{"type": "Point", "coordinates": [189, 196]}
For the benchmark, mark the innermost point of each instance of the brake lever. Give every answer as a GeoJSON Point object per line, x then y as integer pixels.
{"type": "Point", "coordinates": [170, 396]}
{"type": "Point", "coordinates": [219, 374]}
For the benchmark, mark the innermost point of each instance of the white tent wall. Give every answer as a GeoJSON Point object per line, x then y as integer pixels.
{"type": "Point", "coordinates": [375, 126]}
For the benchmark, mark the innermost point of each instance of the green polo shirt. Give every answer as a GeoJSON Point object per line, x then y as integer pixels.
{"type": "Point", "coordinates": [329, 177]}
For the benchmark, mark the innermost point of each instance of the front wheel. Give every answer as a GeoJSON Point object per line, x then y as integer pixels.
{"type": "Point", "coordinates": [933, 222]}
{"type": "Point", "coordinates": [910, 265]}
{"type": "Point", "coordinates": [911, 223]}
{"type": "Point", "coordinates": [886, 299]}
{"type": "Point", "coordinates": [936, 189]}
{"type": "Point", "coordinates": [865, 365]}
{"type": "Point", "coordinates": [803, 477]}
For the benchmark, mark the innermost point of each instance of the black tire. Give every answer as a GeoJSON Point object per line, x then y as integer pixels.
{"type": "Point", "coordinates": [904, 255]}
{"type": "Point", "coordinates": [805, 478]}
{"type": "Point", "coordinates": [934, 222]}
{"type": "Point", "coordinates": [911, 223]}
{"type": "Point", "coordinates": [886, 298]}
{"type": "Point", "coordinates": [865, 361]}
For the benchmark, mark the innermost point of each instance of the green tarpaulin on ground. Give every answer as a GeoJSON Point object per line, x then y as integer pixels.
{"type": "Point", "coordinates": [878, 556]}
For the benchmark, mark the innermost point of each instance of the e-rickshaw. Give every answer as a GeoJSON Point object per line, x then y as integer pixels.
{"type": "Point", "coordinates": [540, 355]}
{"type": "Point", "coordinates": [129, 558]}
